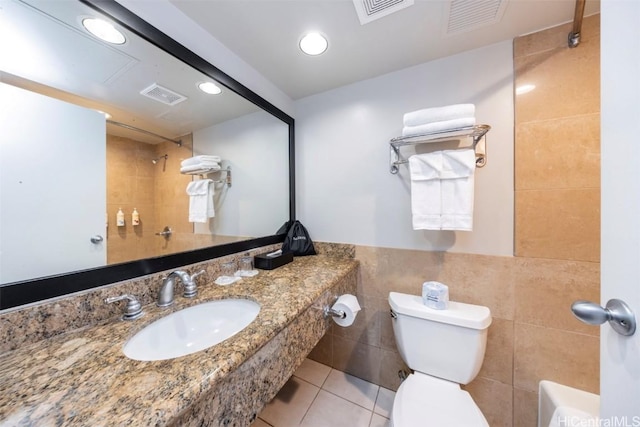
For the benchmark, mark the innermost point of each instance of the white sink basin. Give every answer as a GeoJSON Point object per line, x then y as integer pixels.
{"type": "Point", "coordinates": [191, 329]}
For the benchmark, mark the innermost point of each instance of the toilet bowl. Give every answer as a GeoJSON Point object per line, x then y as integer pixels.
{"type": "Point", "coordinates": [423, 400]}
{"type": "Point", "coordinates": [444, 348]}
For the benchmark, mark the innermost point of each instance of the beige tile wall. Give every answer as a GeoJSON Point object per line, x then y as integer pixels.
{"type": "Point", "coordinates": [533, 336]}
{"type": "Point", "coordinates": [172, 202]}
{"type": "Point", "coordinates": [130, 184]}
{"type": "Point", "coordinates": [557, 144]}
{"type": "Point", "coordinates": [156, 191]}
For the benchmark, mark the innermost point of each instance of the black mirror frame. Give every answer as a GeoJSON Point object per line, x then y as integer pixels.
{"type": "Point", "coordinates": [30, 291]}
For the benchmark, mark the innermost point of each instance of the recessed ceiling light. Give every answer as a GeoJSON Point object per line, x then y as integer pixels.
{"type": "Point", "coordinates": [524, 89]}
{"type": "Point", "coordinates": [210, 88]}
{"type": "Point", "coordinates": [103, 30]}
{"type": "Point", "coordinates": [313, 44]}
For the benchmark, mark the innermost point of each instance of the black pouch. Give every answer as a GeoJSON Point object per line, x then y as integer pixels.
{"type": "Point", "coordinates": [298, 241]}
{"type": "Point", "coordinates": [284, 229]}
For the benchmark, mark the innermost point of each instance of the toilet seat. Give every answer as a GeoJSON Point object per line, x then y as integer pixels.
{"type": "Point", "coordinates": [426, 401]}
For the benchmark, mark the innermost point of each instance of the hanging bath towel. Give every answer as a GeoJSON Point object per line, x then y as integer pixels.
{"type": "Point", "coordinates": [201, 200]}
{"type": "Point", "coordinates": [442, 190]}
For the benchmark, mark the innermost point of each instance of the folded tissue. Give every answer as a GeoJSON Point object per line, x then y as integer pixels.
{"type": "Point", "coordinates": [435, 295]}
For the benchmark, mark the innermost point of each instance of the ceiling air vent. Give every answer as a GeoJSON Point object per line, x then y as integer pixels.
{"type": "Point", "coordinates": [466, 15]}
{"type": "Point", "coordinates": [370, 10]}
{"type": "Point", "coordinates": [162, 94]}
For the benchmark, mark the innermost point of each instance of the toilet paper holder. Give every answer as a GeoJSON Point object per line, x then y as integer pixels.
{"type": "Point", "coordinates": [343, 310]}
{"type": "Point", "coordinates": [328, 311]}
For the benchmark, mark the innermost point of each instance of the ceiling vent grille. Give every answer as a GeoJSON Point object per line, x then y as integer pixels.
{"type": "Point", "coordinates": [162, 94]}
{"type": "Point", "coordinates": [466, 15]}
{"type": "Point", "coordinates": [370, 10]}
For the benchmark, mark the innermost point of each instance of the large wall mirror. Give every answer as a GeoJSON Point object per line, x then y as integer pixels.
{"type": "Point", "coordinates": [96, 132]}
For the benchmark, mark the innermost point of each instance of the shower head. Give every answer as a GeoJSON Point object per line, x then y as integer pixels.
{"type": "Point", "coordinates": [155, 161]}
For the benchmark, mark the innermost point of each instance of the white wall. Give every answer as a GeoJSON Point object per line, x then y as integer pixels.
{"type": "Point", "coordinates": [256, 146]}
{"type": "Point", "coordinates": [345, 192]}
{"type": "Point", "coordinates": [171, 21]}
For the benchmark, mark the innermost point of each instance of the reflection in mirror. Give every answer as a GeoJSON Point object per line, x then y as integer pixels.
{"type": "Point", "coordinates": [93, 129]}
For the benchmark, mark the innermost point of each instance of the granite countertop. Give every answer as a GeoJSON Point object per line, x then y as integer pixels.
{"type": "Point", "coordinates": [83, 378]}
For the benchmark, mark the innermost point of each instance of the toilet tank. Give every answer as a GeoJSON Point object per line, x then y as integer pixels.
{"type": "Point", "coordinates": [447, 344]}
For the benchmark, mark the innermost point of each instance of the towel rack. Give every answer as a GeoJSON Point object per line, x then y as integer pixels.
{"type": "Point", "coordinates": [204, 172]}
{"type": "Point", "coordinates": [476, 132]}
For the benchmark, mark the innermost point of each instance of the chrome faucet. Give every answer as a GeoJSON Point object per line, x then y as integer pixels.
{"type": "Point", "coordinates": [132, 311]}
{"type": "Point", "coordinates": [165, 296]}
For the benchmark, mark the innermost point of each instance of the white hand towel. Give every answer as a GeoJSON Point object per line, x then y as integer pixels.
{"type": "Point", "coordinates": [200, 200]}
{"type": "Point", "coordinates": [200, 168]}
{"type": "Point", "coordinates": [442, 126]}
{"type": "Point", "coordinates": [211, 212]}
{"type": "Point", "coordinates": [199, 159]}
{"type": "Point", "coordinates": [457, 185]}
{"type": "Point", "coordinates": [426, 205]}
{"type": "Point", "coordinates": [442, 190]}
{"type": "Point", "coordinates": [439, 114]}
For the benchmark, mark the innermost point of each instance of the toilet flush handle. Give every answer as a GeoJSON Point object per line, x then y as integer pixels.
{"type": "Point", "coordinates": [617, 313]}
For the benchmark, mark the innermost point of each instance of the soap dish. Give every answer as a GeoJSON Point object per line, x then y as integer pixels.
{"type": "Point", "coordinates": [226, 280]}
{"type": "Point", "coordinates": [246, 273]}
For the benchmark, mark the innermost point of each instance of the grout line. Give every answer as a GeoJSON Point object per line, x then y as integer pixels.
{"type": "Point", "coordinates": [326, 378]}
{"type": "Point", "coordinates": [371, 411]}
{"type": "Point", "coordinates": [370, 419]}
{"type": "Point", "coordinates": [343, 398]}
{"type": "Point", "coordinates": [375, 403]}
{"type": "Point", "coordinates": [310, 404]}
{"type": "Point", "coordinates": [347, 400]}
{"type": "Point", "coordinates": [308, 382]}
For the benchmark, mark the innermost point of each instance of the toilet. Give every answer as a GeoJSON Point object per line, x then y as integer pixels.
{"type": "Point", "coordinates": [444, 348]}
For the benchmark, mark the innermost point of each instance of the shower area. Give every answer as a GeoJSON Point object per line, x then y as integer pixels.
{"type": "Point", "coordinates": [146, 177]}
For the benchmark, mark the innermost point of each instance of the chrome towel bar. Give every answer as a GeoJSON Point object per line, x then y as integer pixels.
{"type": "Point", "coordinates": [202, 173]}
{"type": "Point", "coordinates": [476, 132]}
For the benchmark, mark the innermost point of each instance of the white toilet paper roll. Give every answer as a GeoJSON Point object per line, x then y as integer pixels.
{"type": "Point", "coordinates": [348, 304]}
{"type": "Point", "coordinates": [435, 295]}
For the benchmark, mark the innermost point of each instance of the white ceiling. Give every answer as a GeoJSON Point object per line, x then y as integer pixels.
{"type": "Point", "coordinates": [44, 48]}
{"type": "Point", "coordinates": [265, 34]}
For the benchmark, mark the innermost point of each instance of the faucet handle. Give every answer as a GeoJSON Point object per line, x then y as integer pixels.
{"type": "Point", "coordinates": [190, 286]}
{"type": "Point", "coordinates": [133, 309]}
{"type": "Point", "coordinates": [199, 273]}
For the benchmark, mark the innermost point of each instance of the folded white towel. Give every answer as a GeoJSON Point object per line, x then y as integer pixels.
{"type": "Point", "coordinates": [203, 163]}
{"type": "Point", "coordinates": [199, 159]}
{"type": "Point", "coordinates": [439, 114]}
{"type": "Point", "coordinates": [442, 190]}
{"type": "Point", "coordinates": [200, 168]}
{"type": "Point", "coordinates": [443, 126]}
{"type": "Point", "coordinates": [201, 200]}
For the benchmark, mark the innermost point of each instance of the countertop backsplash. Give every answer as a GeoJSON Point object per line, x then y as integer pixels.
{"type": "Point", "coordinates": [45, 319]}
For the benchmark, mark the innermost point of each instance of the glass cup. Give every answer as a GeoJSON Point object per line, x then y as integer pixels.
{"type": "Point", "coordinates": [228, 269]}
{"type": "Point", "coordinates": [246, 264]}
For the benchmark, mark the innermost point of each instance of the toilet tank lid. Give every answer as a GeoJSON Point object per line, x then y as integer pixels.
{"type": "Point", "coordinates": [459, 314]}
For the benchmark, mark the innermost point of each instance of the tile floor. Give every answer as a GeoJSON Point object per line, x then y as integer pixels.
{"type": "Point", "coordinates": [319, 396]}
